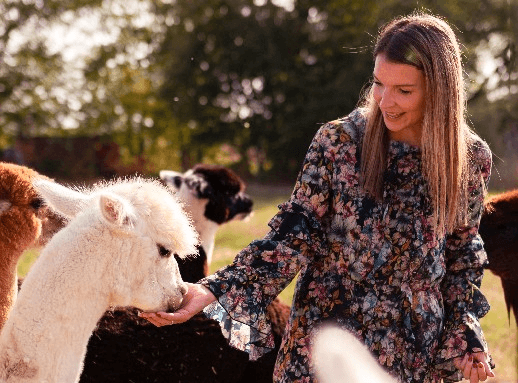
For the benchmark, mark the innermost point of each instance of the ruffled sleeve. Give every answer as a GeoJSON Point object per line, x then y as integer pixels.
{"type": "Point", "coordinates": [465, 259]}
{"type": "Point", "coordinates": [264, 268]}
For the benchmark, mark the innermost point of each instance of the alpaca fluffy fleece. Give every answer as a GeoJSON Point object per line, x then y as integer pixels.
{"type": "Point", "coordinates": [115, 251]}
{"type": "Point", "coordinates": [499, 230]}
{"type": "Point", "coordinates": [339, 357]}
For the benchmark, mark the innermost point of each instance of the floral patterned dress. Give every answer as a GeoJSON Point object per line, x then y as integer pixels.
{"type": "Point", "coordinates": [377, 268]}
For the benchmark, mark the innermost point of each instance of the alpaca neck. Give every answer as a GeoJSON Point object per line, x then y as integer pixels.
{"type": "Point", "coordinates": [8, 290]}
{"type": "Point", "coordinates": [195, 268]}
{"type": "Point", "coordinates": [52, 320]}
{"type": "Point", "coordinates": [207, 231]}
{"type": "Point", "coordinates": [205, 227]}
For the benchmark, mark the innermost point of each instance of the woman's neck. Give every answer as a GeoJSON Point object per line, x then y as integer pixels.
{"type": "Point", "coordinates": [411, 137]}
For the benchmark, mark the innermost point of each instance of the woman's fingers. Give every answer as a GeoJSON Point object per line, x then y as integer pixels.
{"type": "Point", "coordinates": [474, 373]}
{"type": "Point", "coordinates": [194, 301]}
{"type": "Point", "coordinates": [463, 362]}
{"type": "Point", "coordinates": [163, 319]}
{"type": "Point", "coordinates": [482, 375]}
{"type": "Point", "coordinates": [482, 357]}
{"type": "Point", "coordinates": [180, 316]}
{"type": "Point", "coordinates": [474, 367]}
{"type": "Point", "coordinates": [490, 372]}
{"type": "Point", "coordinates": [156, 319]}
{"type": "Point", "coordinates": [468, 367]}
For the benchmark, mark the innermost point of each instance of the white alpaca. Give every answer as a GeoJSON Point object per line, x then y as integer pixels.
{"type": "Point", "coordinates": [115, 251]}
{"type": "Point", "coordinates": [339, 357]}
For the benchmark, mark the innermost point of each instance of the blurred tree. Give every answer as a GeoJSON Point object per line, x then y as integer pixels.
{"type": "Point", "coordinates": [262, 78]}
{"type": "Point", "coordinates": [31, 89]}
{"type": "Point", "coordinates": [255, 75]}
{"type": "Point", "coordinates": [240, 82]}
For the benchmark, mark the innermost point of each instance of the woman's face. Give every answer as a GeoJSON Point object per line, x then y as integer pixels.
{"type": "Point", "coordinates": [399, 90]}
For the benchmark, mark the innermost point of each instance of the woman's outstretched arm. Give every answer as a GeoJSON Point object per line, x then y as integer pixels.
{"type": "Point", "coordinates": [194, 301]}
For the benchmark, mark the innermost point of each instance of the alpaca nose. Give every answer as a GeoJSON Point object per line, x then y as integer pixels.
{"type": "Point", "coordinates": [248, 203]}
{"type": "Point", "coordinates": [239, 205]}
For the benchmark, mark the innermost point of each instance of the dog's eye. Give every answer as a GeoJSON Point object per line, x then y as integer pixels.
{"type": "Point", "coordinates": [37, 203]}
{"type": "Point", "coordinates": [163, 251]}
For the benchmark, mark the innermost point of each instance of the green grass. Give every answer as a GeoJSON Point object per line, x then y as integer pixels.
{"type": "Point", "coordinates": [25, 262]}
{"type": "Point", "coordinates": [501, 334]}
{"type": "Point", "coordinates": [500, 331]}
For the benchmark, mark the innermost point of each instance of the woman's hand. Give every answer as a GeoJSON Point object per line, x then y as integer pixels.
{"type": "Point", "coordinates": [474, 367]}
{"type": "Point", "coordinates": [195, 300]}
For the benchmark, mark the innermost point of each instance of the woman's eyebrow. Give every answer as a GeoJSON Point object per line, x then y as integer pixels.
{"type": "Point", "coordinates": [405, 85]}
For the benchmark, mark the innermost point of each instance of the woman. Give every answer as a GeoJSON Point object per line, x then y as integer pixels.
{"type": "Point", "coordinates": [382, 227]}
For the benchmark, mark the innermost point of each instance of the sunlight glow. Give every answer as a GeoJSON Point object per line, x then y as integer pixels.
{"type": "Point", "coordinates": [289, 5]}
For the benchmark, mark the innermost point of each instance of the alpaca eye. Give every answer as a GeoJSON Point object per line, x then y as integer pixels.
{"type": "Point", "coordinates": [164, 252]}
{"type": "Point", "coordinates": [37, 203]}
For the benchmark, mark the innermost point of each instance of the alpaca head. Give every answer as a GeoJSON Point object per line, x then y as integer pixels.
{"type": "Point", "coordinates": [339, 357]}
{"type": "Point", "coordinates": [24, 220]}
{"type": "Point", "coordinates": [210, 192]}
{"type": "Point", "coordinates": [137, 226]}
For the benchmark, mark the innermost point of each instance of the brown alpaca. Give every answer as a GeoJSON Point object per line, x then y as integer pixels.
{"type": "Point", "coordinates": [24, 222]}
{"type": "Point", "coordinates": [499, 230]}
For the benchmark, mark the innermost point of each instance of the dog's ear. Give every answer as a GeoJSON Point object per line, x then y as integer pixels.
{"type": "Point", "coordinates": [172, 179]}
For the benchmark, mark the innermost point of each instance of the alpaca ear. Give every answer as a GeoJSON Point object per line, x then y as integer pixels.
{"type": "Point", "coordinates": [171, 178]}
{"type": "Point", "coordinates": [63, 200]}
{"type": "Point", "coordinates": [117, 211]}
{"type": "Point", "coordinates": [339, 357]}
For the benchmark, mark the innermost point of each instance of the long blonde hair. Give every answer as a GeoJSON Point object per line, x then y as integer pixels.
{"type": "Point", "coordinates": [428, 43]}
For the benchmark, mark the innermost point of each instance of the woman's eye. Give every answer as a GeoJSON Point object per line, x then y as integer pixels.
{"type": "Point", "coordinates": [404, 91]}
{"type": "Point", "coordinates": [163, 251]}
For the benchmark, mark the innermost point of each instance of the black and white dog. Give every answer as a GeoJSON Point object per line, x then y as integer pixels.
{"type": "Point", "coordinates": [213, 195]}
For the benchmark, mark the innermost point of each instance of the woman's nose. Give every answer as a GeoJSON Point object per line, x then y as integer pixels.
{"type": "Point", "coordinates": [386, 99]}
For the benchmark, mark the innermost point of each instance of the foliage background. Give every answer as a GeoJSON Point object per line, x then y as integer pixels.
{"type": "Point", "coordinates": [243, 83]}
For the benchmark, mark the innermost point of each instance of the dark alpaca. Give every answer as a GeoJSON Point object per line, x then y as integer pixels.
{"type": "Point", "coordinates": [499, 230]}
{"type": "Point", "coordinates": [126, 348]}
{"type": "Point", "coordinates": [213, 195]}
